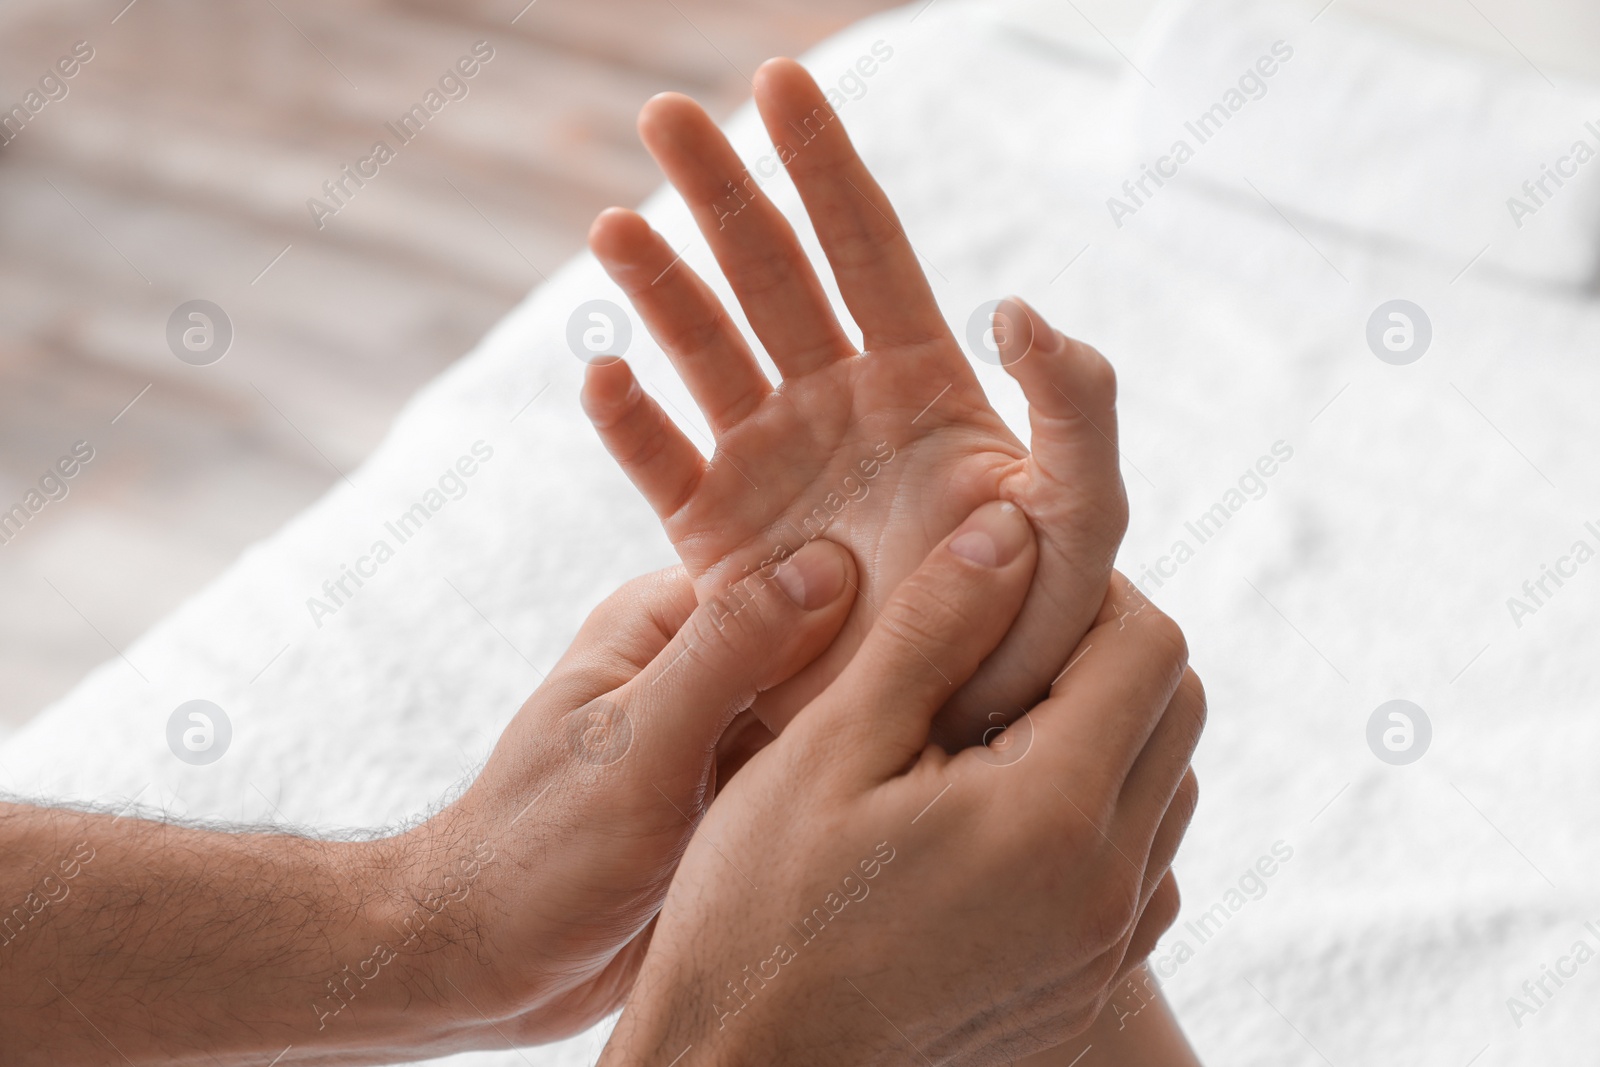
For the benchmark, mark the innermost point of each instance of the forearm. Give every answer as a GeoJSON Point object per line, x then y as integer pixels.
{"type": "Point", "coordinates": [125, 940]}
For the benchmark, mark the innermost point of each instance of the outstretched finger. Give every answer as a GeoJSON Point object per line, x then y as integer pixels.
{"type": "Point", "coordinates": [662, 463]}
{"type": "Point", "coordinates": [1071, 391]}
{"type": "Point", "coordinates": [877, 270]}
{"type": "Point", "coordinates": [683, 315]}
{"type": "Point", "coordinates": [754, 244]}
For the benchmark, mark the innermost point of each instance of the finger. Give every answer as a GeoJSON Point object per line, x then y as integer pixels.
{"type": "Point", "coordinates": [754, 244]}
{"type": "Point", "coordinates": [683, 315]}
{"type": "Point", "coordinates": [1174, 824]}
{"type": "Point", "coordinates": [1071, 391]}
{"type": "Point", "coordinates": [1073, 493]}
{"type": "Point", "coordinates": [658, 459]}
{"type": "Point", "coordinates": [1158, 916]}
{"type": "Point", "coordinates": [754, 635]}
{"type": "Point", "coordinates": [877, 270]}
{"type": "Point", "coordinates": [1109, 699]}
{"type": "Point", "coordinates": [930, 635]}
{"type": "Point", "coordinates": [628, 629]}
{"type": "Point", "coordinates": [1154, 782]}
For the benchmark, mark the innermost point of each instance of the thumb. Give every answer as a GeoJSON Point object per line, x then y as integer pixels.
{"type": "Point", "coordinates": [760, 632]}
{"type": "Point", "coordinates": [931, 635]}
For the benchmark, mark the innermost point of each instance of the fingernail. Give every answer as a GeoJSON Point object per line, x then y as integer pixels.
{"type": "Point", "coordinates": [812, 577]}
{"type": "Point", "coordinates": [993, 535]}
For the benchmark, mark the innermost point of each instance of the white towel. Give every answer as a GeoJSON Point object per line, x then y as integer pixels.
{"type": "Point", "coordinates": [1341, 124]}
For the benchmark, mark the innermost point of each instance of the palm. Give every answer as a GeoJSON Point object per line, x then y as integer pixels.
{"type": "Point", "coordinates": [807, 458]}
{"type": "Point", "coordinates": [812, 456]}
{"type": "Point", "coordinates": [842, 453]}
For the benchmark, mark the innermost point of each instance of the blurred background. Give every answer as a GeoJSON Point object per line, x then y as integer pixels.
{"type": "Point", "coordinates": [178, 165]}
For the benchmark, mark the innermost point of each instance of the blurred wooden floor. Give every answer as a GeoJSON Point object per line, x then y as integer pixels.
{"type": "Point", "coordinates": [178, 166]}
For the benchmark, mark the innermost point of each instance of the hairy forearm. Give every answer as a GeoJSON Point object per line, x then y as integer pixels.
{"type": "Point", "coordinates": [125, 940]}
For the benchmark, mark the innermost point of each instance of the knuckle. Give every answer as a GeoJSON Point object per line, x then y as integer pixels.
{"type": "Point", "coordinates": [924, 612]}
{"type": "Point", "coordinates": [1190, 702]}
{"type": "Point", "coordinates": [650, 443]}
{"type": "Point", "coordinates": [1162, 911]}
{"type": "Point", "coordinates": [1194, 691]}
{"type": "Point", "coordinates": [657, 594]}
{"type": "Point", "coordinates": [1165, 636]}
{"type": "Point", "coordinates": [735, 624]}
{"type": "Point", "coordinates": [639, 587]}
{"type": "Point", "coordinates": [862, 246]}
{"type": "Point", "coordinates": [697, 334]}
{"type": "Point", "coordinates": [1187, 799]}
{"type": "Point", "coordinates": [768, 269]}
{"type": "Point", "coordinates": [1111, 911]}
{"type": "Point", "coordinates": [1112, 509]}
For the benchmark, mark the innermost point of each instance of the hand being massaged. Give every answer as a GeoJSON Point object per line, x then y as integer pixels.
{"type": "Point", "coordinates": [883, 450]}
{"type": "Point", "coordinates": [867, 887]}
{"type": "Point", "coordinates": [905, 418]}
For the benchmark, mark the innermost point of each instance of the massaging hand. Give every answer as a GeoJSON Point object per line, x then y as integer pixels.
{"type": "Point", "coordinates": [606, 772]}
{"type": "Point", "coordinates": [858, 896]}
{"type": "Point", "coordinates": [519, 913]}
{"type": "Point", "coordinates": [890, 447]}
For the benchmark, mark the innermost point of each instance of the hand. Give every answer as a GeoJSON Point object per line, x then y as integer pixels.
{"type": "Point", "coordinates": [883, 451]}
{"type": "Point", "coordinates": [855, 891]}
{"type": "Point", "coordinates": [520, 912]}
{"type": "Point", "coordinates": [596, 787]}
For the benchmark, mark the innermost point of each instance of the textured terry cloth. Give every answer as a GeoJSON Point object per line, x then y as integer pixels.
{"type": "Point", "coordinates": [1341, 124]}
{"type": "Point", "coordinates": [1338, 909]}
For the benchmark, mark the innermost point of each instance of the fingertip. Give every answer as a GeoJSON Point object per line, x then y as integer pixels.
{"type": "Point", "coordinates": [783, 85]}
{"type": "Point", "coordinates": [1061, 377]}
{"type": "Point", "coordinates": [1022, 332]}
{"type": "Point", "coordinates": [615, 231]}
{"type": "Point", "coordinates": [782, 72]}
{"type": "Point", "coordinates": [666, 115]}
{"type": "Point", "coordinates": [776, 66]}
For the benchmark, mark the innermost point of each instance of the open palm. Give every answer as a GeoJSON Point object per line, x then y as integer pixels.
{"type": "Point", "coordinates": [885, 450]}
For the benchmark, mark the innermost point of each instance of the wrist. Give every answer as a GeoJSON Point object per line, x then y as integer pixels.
{"type": "Point", "coordinates": [387, 979]}
{"type": "Point", "coordinates": [664, 1019]}
{"type": "Point", "coordinates": [728, 1024]}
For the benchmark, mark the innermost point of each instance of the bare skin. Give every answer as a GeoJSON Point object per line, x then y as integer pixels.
{"type": "Point", "coordinates": [520, 912]}
{"type": "Point", "coordinates": [509, 918]}
{"type": "Point", "coordinates": [882, 449]}
{"type": "Point", "coordinates": [525, 910]}
{"type": "Point", "coordinates": [860, 896]}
